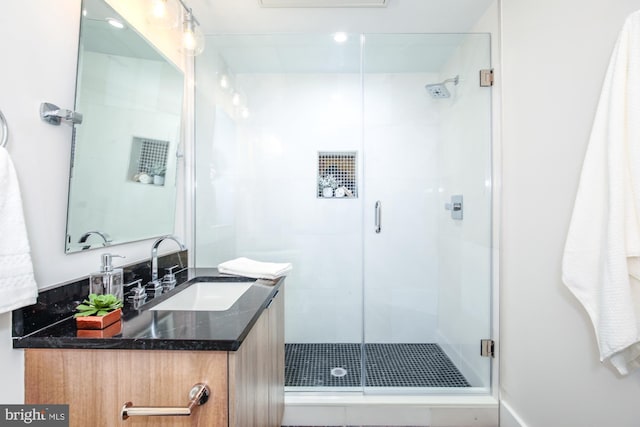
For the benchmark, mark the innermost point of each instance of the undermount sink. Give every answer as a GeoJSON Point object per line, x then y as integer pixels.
{"type": "Point", "coordinates": [206, 296]}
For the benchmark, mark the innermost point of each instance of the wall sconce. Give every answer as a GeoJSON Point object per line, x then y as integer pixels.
{"type": "Point", "coordinates": [164, 14]}
{"type": "Point", "coordinates": [192, 36]}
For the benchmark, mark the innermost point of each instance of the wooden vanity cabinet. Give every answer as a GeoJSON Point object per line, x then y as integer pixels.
{"type": "Point", "coordinates": [256, 395]}
{"type": "Point", "coordinates": [247, 386]}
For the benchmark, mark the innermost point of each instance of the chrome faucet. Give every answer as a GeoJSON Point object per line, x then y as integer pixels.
{"type": "Point", "coordinates": [155, 285]}
{"type": "Point", "coordinates": [103, 235]}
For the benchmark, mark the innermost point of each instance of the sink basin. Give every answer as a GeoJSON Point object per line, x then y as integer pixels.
{"type": "Point", "coordinates": [206, 296]}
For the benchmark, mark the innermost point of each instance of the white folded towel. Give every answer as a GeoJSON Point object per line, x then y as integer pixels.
{"type": "Point", "coordinates": [601, 263]}
{"type": "Point", "coordinates": [18, 287]}
{"type": "Point", "coordinates": [255, 269]}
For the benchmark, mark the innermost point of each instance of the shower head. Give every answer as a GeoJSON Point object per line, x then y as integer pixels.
{"type": "Point", "coordinates": [439, 90]}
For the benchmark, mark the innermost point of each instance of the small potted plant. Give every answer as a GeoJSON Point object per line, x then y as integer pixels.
{"type": "Point", "coordinates": [98, 312]}
{"type": "Point", "coordinates": [327, 184]}
{"type": "Point", "coordinates": [157, 171]}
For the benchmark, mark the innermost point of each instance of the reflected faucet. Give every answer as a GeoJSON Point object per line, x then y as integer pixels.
{"type": "Point", "coordinates": [103, 235]}
{"type": "Point", "coordinates": [155, 285]}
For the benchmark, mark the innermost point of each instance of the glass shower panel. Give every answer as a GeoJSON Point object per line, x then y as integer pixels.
{"type": "Point", "coordinates": [278, 138]}
{"type": "Point", "coordinates": [427, 212]}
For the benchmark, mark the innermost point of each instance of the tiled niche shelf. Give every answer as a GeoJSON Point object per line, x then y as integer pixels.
{"type": "Point", "coordinates": [337, 175]}
{"type": "Point", "coordinates": [148, 157]}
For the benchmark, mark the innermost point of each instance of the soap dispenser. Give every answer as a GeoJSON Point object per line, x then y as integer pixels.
{"type": "Point", "coordinates": [108, 280]}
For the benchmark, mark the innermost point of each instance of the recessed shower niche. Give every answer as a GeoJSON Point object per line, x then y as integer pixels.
{"type": "Point", "coordinates": [337, 175]}
{"type": "Point", "coordinates": [148, 160]}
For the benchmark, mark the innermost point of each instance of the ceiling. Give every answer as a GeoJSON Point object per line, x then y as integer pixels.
{"type": "Point", "coordinates": [319, 53]}
{"type": "Point", "coordinates": [400, 16]}
{"type": "Point", "coordinates": [419, 35]}
{"type": "Point", "coordinates": [99, 36]}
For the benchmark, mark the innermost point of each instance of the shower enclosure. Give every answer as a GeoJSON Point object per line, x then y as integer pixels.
{"type": "Point", "coordinates": [365, 160]}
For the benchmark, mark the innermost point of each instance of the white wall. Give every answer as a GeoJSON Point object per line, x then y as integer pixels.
{"type": "Point", "coordinates": [39, 52]}
{"type": "Point", "coordinates": [555, 55]}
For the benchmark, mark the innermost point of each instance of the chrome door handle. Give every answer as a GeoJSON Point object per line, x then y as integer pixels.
{"type": "Point", "coordinates": [378, 216]}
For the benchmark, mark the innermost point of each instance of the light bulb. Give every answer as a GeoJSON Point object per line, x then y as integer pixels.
{"type": "Point", "coordinates": [192, 37]}
{"type": "Point", "coordinates": [245, 113]}
{"type": "Point", "coordinates": [163, 13]}
{"type": "Point", "coordinates": [159, 9]}
{"type": "Point", "coordinates": [189, 40]}
{"type": "Point", "coordinates": [224, 81]}
{"type": "Point", "coordinates": [235, 99]}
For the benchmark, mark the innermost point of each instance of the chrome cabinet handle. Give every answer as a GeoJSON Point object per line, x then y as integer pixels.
{"type": "Point", "coordinates": [378, 216]}
{"type": "Point", "coordinates": [198, 395]}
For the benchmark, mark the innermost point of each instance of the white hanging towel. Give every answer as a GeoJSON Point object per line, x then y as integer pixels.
{"type": "Point", "coordinates": [601, 263]}
{"type": "Point", "coordinates": [17, 285]}
{"type": "Point", "coordinates": [255, 269]}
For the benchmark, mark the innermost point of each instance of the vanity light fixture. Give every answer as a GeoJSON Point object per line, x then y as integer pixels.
{"type": "Point", "coordinates": [235, 99]}
{"type": "Point", "coordinates": [224, 81]}
{"type": "Point", "coordinates": [192, 36]}
{"type": "Point", "coordinates": [163, 14]}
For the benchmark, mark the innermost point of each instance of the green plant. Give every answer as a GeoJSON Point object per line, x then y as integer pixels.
{"type": "Point", "coordinates": [98, 305]}
{"type": "Point", "coordinates": [157, 169]}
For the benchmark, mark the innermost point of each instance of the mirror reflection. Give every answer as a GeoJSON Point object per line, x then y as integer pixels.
{"type": "Point", "coordinates": [123, 162]}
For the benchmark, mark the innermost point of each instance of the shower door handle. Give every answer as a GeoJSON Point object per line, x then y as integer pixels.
{"type": "Point", "coordinates": [378, 216]}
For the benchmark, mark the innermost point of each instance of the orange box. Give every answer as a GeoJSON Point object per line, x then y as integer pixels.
{"type": "Point", "coordinates": [98, 322]}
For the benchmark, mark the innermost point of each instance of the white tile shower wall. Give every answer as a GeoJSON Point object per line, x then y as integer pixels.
{"type": "Point", "coordinates": [400, 170]}
{"type": "Point", "coordinates": [277, 216]}
{"type": "Point", "coordinates": [464, 256]}
{"type": "Point", "coordinates": [292, 117]}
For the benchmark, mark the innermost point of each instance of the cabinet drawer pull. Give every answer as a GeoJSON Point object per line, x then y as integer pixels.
{"type": "Point", "coordinates": [198, 395]}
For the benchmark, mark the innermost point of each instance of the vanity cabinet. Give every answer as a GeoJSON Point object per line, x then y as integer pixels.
{"type": "Point", "coordinates": [247, 385]}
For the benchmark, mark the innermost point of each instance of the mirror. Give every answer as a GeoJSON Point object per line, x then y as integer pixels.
{"type": "Point", "coordinates": [123, 161]}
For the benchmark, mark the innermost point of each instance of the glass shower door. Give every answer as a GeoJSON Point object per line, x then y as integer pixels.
{"type": "Point", "coordinates": [427, 212]}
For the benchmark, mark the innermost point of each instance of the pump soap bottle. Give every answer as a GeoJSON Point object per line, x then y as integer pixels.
{"type": "Point", "coordinates": [108, 280]}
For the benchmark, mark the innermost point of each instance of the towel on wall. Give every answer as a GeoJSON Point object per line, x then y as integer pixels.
{"type": "Point", "coordinates": [17, 285]}
{"type": "Point", "coordinates": [255, 269]}
{"type": "Point", "coordinates": [601, 262]}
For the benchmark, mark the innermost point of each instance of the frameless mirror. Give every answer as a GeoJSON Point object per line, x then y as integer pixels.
{"type": "Point", "coordinates": [123, 158]}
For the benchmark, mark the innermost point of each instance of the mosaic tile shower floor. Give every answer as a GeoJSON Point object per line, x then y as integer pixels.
{"type": "Point", "coordinates": [388, 365]}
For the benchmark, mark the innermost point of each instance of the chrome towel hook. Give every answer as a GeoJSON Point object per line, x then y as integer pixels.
{"type": "Point", "coordinates": [4, 129]}
{"type": "Point", "coordinates": [53, 114]}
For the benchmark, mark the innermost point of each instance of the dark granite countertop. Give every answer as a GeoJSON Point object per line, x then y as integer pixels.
{"type": "Point", "coordinates": [146, 329]}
